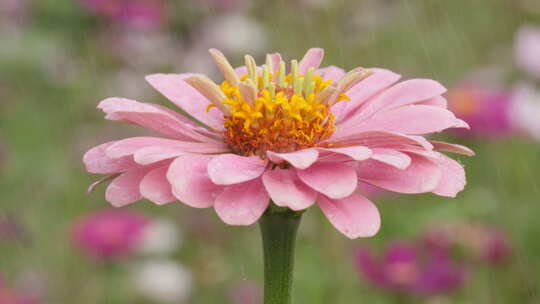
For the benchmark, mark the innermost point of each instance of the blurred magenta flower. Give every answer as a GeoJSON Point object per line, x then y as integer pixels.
{"type": "Point", "coordinates": [410, 269]}
{"type": "Point", "coordinates": [145, 14]}
{"type": "Point", "coordinates": [109, 234]}
{"type": "Point", "coordinates": [296, 138]}
{"type": "Point", "coordinates": [486, 110]}
{"type": "Point", "coordinates": [527, 48]}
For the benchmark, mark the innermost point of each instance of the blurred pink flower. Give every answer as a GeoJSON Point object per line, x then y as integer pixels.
{"type": "Point", "coordinates": [479, 241]}
{"type": "Point", "coordinates": [407, 268]}
{"type": "Point", "coordinates": [291, 139]}
{"type": "Point", "coordinates": [144, 14]}
{"type": "Point", "coordinates": [527, 48]}
{"type": "Point", "coordinates": [487, 111]}
{"type": "Point", "coordinates": [109, 234]}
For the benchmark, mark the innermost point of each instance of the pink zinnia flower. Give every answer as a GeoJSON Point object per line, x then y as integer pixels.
{"type": "Point", "coordinates": [527, 48]}
{"type": "Point", "coordinates": [310, 135]}
{"type": "Point", "coordinates": [138, 13]}
{"type": "Point", "coordinates": [486, 110]}
{"type": "Point", "coordinates": [479, 241]}
{"type": "Point", "coordinates": [410, 269]}
{"type": "Point", "coordinates": [109, 234]}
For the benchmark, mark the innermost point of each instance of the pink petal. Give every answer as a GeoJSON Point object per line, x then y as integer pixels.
{"type": "Point", "coordinates": [300, 159]}
{"type": "Point", "coordinates": [365, 89]}
{"type": "Point", "coordinates": [154, 117]}
{"type": "Point", "coordinates": [352, 152]}
{"type": "Point", "coordinates": [437, 101]}
{"type": "Point", "coordinates": [382, 139]}
{"type": "Point", "coordinates": [286, 190]}
{"type": "Point", "coordinates": [129, 146]}
{"type": "Point", "coordinates": [155, 186]}
{"type": "Point", "coordinates": [402, 94]}
{"type": "Point", "coordinates": [392, 157]}
{"type": "Point", "coordinates": [124, 189]}
{"type": "Point", "coordinates": [422, 175]}
{"type": "Point", "coordinates": [186, 98]}
{"type": "Point", "coordinates": [453, 177]}
{"type": "Point", "coordinates": [190, 181]}
{"type": "Point", "coordinates": [331, 73]}
{"type": "Point", "coordinates": [96, 161]}
{"type": "Point", "coordinates": [150, 155]}
{"type": "Point", "coordinates": [312, 59]}
{"type": "Point", "coordinates": [155, 154]}
{"type": "Point", "coordinates": [335, 180]}
{"type": "Point", "coordinates": [354, 216]}
{"type": "Point", "coordinates": [454, 148]}
{"type": "Point", "coordinates": [229, 169]}
{"type": "Point", "coordinates": [242, 204]}
{"type": "Point", "coordinates": [415, 119]}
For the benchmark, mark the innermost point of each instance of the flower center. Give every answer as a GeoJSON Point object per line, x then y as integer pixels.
{"type": "Point", "coordinates": [280, 112]}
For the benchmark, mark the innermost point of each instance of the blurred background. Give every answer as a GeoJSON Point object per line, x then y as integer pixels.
{"type": "Point", "coordinates": [58, 59]}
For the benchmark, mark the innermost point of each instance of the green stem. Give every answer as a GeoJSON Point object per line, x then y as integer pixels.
{"type": "Point", "coordinates": [278, 228]}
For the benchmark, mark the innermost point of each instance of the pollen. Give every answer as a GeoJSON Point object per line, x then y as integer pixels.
{"type": "Point", "coordinates": [282, 115]}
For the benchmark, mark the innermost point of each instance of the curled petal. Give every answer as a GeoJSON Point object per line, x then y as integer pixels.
{"type": "Point", "coordinates": [453, 177]}
{"type": "Point", "coordinates": [190, 181]}
{"type": "Point", "coordinates": [155, 186]}
{"type": "Point", "coordinates": [97, 161]}
{"type": "Point", "coordinates": [124, 189]}
{"type": "Point", "coordinates": [335, 180]}
{"type": "Point", "coordinates": [300, 159]}
{"type": "Point", "coordinates": [354, 216]}
{"type": "Point", "coordinates": [228, 169]}
{"type": "Point", "coordinates": [242, 204]}
{"type": "Point", "coordinates": [287, 190]}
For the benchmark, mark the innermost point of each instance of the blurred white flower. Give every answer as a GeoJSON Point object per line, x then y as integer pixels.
{"type": "Point", "coordinates": [525, 109]}
{"type": "Point", "coordinates": [160, 237]}
{"type": "Point", "coordinates": [234, 34]}
{"type": "Point", "coordinates": [527, 50]}
{"type": "Point", "coordinates": [163, 281]}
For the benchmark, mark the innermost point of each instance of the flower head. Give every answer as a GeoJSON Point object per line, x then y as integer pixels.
{"type": "Point", "coordinates": [486, 110]}
{"type": "Point", "coordinates": [293, 133]}
{"type": "Point", "coordinates": [410, 269]}
{"type": "Point", "coordinates": [137, 13]}
{"type": "Point", "coordinates": [108, 235]}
